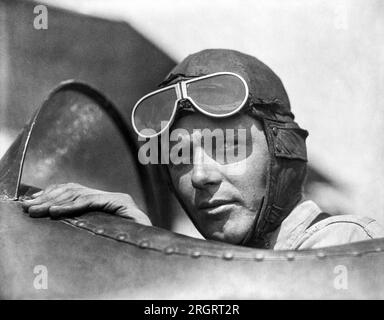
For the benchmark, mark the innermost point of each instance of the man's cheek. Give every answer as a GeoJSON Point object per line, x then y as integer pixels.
{"type": "Point", "coordinates": [235, 169]}
{"type": "Point", "coordinates": [185, 188]}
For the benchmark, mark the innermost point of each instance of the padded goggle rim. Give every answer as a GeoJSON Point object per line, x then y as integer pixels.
{"type": "Point", "coordinates": [181, 93]}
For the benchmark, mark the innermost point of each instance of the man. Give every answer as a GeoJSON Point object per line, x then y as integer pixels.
{"type": "Point", "coordinates": [259, 205]}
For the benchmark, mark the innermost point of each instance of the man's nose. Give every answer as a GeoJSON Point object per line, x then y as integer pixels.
{"type": "Point", "coordinates": [205, 172]}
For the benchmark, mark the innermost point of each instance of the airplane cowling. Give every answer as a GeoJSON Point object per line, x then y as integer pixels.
{"type": "Point", "coordinates": [100, 256]}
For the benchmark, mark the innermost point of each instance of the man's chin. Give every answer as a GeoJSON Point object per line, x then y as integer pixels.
{"type": "Point", "coordinates": [227, 238]}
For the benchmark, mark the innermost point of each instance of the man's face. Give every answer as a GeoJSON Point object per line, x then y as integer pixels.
{"type": "Point", "coordinates": [221, 196]}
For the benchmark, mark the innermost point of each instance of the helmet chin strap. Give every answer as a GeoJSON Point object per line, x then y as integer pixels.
{"type": "Point", "coordinates": [248, 237]}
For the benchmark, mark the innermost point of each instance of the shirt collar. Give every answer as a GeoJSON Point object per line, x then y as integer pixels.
{"type": "Point", "coordinates": [294, 225]}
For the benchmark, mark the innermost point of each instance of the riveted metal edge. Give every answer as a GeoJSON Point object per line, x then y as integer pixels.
{"type": "Point", "coordinates": [117, 235]}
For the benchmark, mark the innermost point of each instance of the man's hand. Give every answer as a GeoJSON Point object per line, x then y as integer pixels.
{"type": "Point", "coordinates": [73, 199]}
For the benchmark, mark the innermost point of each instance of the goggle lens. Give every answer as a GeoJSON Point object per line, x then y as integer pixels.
{"type": "Point", "coordinates": [154, 110]}
{"type": "Point", "coordinates": [218, 95]}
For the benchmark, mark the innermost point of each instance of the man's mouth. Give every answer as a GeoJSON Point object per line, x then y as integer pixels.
{"type": "Point", "coordinates": [216, 207]}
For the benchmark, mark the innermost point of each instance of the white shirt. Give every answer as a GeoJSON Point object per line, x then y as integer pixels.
{"type": "Point", "coordinates": [295, 232]}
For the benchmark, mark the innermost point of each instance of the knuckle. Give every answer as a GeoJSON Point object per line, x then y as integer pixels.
{"type": "Point", "coordinates": [56, 211]}
{"type": "Point", "coordinates": [68, 191]}
{"type": "Point", "coordinates": [40, 200]}
{"type": "Point", "coordinates": [80, 204]}
{"type": "Point", "coordinates": [127, 197]}
{"type": "Point", "coordinates": [75, 188]}
{"type": "Point", "coordinates": [74, 185]}
{"type": "Point", "coordinates": [65, 186]}
{"type": "Point", "coordinates": [86, 198]}
{"type": "Point", "coordinates": [69, 195]}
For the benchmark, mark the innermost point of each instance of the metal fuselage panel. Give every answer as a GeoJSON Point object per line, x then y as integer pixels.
{"type": "Point", "coordinates": [84, 264]}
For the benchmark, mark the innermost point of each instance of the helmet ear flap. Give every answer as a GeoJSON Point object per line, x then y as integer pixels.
{"type": "Point", "coordinates": [285, 178]}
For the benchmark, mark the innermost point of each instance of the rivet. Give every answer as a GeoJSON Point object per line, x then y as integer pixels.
{"type": "Point", "coordinates": [378, 249]}
{"type": "Point", "coordinates": [259, 256]}
{"type": "Point", "coordinates": [80, 223]}
{"type": "Point", "coordinates": [275, 131]}
{"type": "Point", "coordinates": [195, 254]}
{"type": "Point", "coordinates": [144, 244]}
{"type": "Point", "coordinates": [278, 148]}
{"type": "Point", "coordinates": [228, 255]}
{"type": "Point", "coordinates": [355, 253]}
{"type": "Point", "coordinates": [320, 255]}
{"type": "Point", "coordinates": [100, 231]}
{"type": "Point", "coordinates": [121, 237]}
{"type": "Point", "coordinates": [290, 256]}
{"type": "Point", "coordinates": [169, 250]}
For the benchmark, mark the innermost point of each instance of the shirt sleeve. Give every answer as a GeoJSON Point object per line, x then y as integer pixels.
{"type": "Point", "coordinates": [339, 232]}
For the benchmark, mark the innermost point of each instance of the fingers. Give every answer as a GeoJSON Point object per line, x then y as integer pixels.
{"type": "Point", "coordinates": [69, 208]}
{"type": "Point", "coordinates": [54, 190]}
{"type": "Point", "coordinates": [42, 209]}
{"type": "Point", "coordinates": [48, 190]}
{"type": "Point", "coordinates": [73, 199]}
{"type": "Point", "coordinates": [55, 195]}
{"type": "Point", "coordinates": [39, 211]}
{"type": "Point", "coordinates": [52, 197]}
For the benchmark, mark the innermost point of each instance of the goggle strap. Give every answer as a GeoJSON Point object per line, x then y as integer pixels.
{"type": "Point", "coordinates": [179, 76]}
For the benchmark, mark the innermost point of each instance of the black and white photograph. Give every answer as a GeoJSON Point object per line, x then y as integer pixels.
{"type": "Point", "coordinates": [208, 152]}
